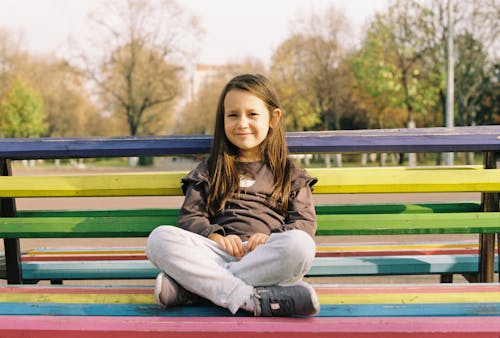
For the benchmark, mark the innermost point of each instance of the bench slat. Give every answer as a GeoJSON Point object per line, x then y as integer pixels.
{"type": "Point", "coordinates": [322, 267]}
{"type": "Point", "coordinates": [471, 138]}
{"type": "Point", "coordinates": [337, 310]}
{"type": "Point", "coordinates": [331, 181]}
{"type": "Point", "coordinates": [141, 226]}
{"type": "Point", "coordinates": [195, 327]}
{"type": "Point", "coordinates": [320, 210]}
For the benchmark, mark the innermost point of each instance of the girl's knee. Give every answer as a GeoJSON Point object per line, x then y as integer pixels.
{"type": "Point", "coordinates": [299, 246]}
{"type": "Point", "coordinates": [158, 240]}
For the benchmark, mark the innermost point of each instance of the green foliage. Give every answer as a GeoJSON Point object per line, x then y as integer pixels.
{"type": "Point", "coordinates": [21, 112]}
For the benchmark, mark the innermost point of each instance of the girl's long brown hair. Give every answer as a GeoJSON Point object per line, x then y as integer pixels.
{"type": "Point", "coordinates": [223, 158]}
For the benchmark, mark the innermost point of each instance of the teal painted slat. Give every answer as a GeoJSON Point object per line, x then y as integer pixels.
{"type": "Point", "coordinates": [328, 310]}
{"type": "Point", "coordinates": [394, 265]}
{"type": "Point", "coordinates": [322, 266]}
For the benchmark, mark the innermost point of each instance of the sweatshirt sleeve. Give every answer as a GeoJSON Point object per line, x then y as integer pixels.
{"type": "Point", "coordinates": [301, 211]}
{"type": "Point", "coordinates": [193, 215]}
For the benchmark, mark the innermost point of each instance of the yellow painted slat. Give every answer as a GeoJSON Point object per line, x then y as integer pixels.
{"type": "Point", "coordinates": [331, 181]}
{"type": "Point", "coordinates": [143, 184]}
{"type": "Point", "coordinates": [364, 298]}
{"type": "Point", "coordinates": [411, 298]}
{"type": "Point", "coordinates": [389, 180]}
{"type": "Point", "coordinates": [88, 298]}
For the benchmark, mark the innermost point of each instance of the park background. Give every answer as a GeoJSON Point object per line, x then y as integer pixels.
{"type": "Point", "coordinates": [140, 68]}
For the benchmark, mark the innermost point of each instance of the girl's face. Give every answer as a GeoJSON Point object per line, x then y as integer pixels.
{"type": "Point", "coordinates": [246, 122]}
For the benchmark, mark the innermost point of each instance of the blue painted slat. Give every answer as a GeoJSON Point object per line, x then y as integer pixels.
{"type": "Point", "coordinates": [479, 138]}
{"type": "Point", "coordinates": [322, 266]}
{"type": "Point", "coordinates": [328, 310]}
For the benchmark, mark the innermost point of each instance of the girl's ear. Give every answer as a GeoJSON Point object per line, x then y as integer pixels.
{"type": "Point", "coordinates": [275, 118]}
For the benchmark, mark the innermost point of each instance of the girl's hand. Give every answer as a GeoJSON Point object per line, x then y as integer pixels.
{"type": "Point", "coordinates": [256, 240]}
{"type": "Point", "coordinates": [231, 243]}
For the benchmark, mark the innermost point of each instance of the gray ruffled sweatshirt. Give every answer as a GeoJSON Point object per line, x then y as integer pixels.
{"type": "Point", "coordinates": [249, 211]}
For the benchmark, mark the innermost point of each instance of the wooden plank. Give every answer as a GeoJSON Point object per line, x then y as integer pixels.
{"type": "Point", "coordinates": [388, 180]}
{"type": "Point", "coordinates": [328, 225]}
{"type": "Point", "coordinates": [331, 181]}
{"type": "Point", "coordinates": [320, 210]}
{"type": "Point", "coordinates": [143, 184]}
{"type": "Point", "coordinates": [212, 327]}
{"type": "Point", "coordinates": [391, 224]}
{"type": "Point", "coordinates": [321, 267]}
{"type": "Point", "coordinates": [477, 138]}
{"type": "Point", "coordinates": [331, 298]}
{"type": "Point", "coordinates": [337, 310]}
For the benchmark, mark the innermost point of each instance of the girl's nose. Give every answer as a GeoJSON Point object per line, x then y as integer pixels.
{"type": "Point", "coordinates": [242, 122]}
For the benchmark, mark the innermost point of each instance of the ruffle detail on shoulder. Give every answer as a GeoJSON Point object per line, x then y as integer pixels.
{"type": "Point", "coordinates": [301, 179]}
{"type": "Point", "coordinates": [197, 176]}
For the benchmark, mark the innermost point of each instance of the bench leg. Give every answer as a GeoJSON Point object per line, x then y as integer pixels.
{"type": "Point", "coordinates": [490, 202]}
{"type": "Point", "coordinates": [471, 277]}
{"type": "Point", "coordinates": [11, 245]}
{"type": "Point", "coordinates": [446, 278]}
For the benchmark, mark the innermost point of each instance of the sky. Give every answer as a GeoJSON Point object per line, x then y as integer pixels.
{"type": "Point", "coordinates": [234, 29]}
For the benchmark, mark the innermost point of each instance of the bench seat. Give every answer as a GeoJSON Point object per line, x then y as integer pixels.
{"type": "Point", "coordinates": [371, 219]}
{"type": "Point", "coordinates": [332, 259]}
{"type": "Point", "coordinates": [346, 311]}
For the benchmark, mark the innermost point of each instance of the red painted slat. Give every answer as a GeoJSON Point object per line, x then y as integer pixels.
{"type": "Point", "coordinates": [396, 252]}
{"type": "Point", "coordinates": [86, 257]}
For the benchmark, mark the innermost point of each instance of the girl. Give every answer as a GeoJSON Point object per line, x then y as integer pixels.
{"type": "Point", "coordinates": [247, 222]}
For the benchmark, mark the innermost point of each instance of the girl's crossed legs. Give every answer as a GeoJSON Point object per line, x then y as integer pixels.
{"type": "Point", "coordinates": [200, 266]}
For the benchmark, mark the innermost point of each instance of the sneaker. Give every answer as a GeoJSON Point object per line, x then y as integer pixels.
{"type": "Point", "coordinates": [296, 299]}
{"type": "Point", "coordinates": [168, 293]}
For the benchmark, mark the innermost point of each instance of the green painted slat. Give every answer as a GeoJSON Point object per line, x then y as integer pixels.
{"type": "Point", "coordinates": [320, 210]}
{"type": "Point", "coordinates": [141, 226]}
{"type": "Point", "coordinates": [98, 213]}
{"type": "Point", "coordinates": [81, 227]}
{"type": "Point", "coordinates": [398, 208]}
{"type": "Point", "coordinates": [393, 224]}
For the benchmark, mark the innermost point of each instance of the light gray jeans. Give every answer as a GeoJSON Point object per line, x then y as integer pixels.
{"type": "Point", "coordinates": [199, 265]}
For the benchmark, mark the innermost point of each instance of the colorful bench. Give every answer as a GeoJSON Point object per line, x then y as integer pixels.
{"type": "Point", "coordinates": [347, 311]}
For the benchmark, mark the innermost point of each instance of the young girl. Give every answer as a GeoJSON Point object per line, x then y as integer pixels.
{"type": "Point", "coordinates": [247, 222]}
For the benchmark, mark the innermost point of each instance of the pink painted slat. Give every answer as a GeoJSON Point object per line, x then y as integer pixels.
{"type": "Point", "coordinates": [187, 327]}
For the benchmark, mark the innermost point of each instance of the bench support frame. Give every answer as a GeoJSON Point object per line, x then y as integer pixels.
{"type": "Point", "coordinates": [490, 202]}
{"type": "Point", "coordinates": [11, 245]}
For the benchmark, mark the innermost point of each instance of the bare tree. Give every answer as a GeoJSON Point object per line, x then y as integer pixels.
{"type": "Point", "coordinates": [136, 62]}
